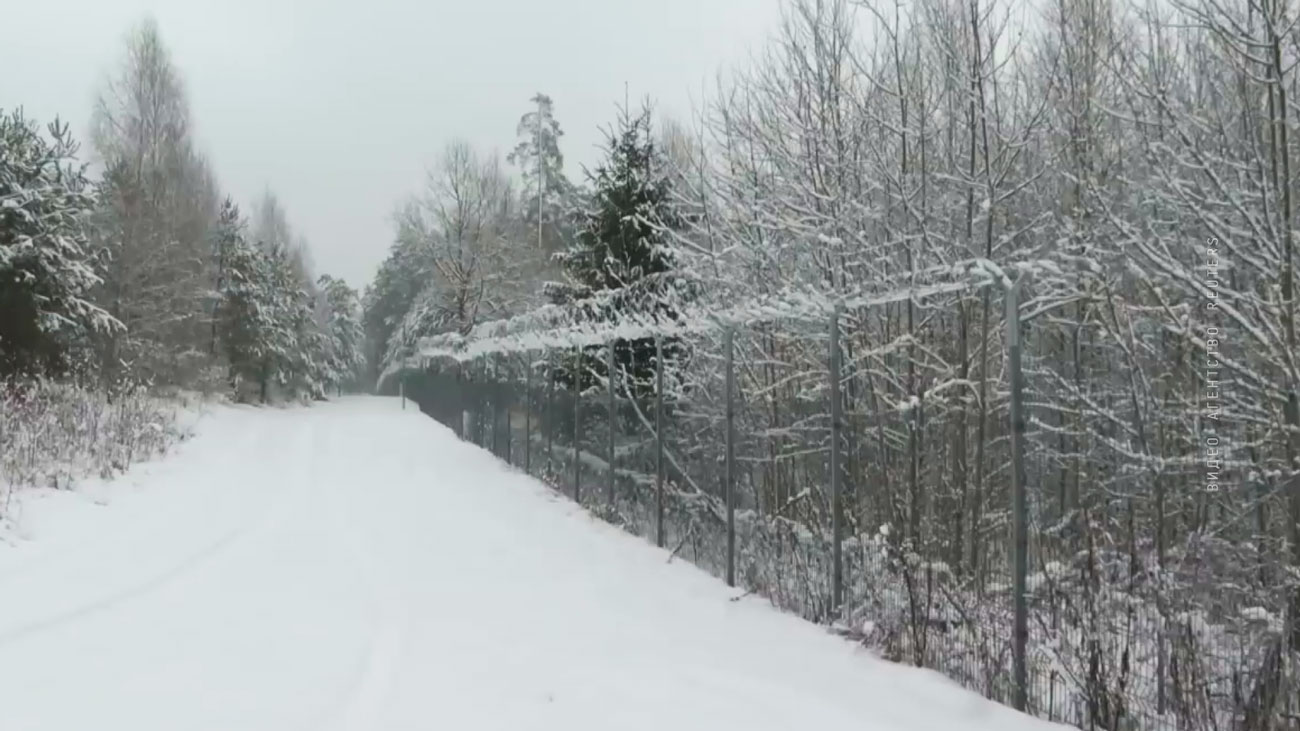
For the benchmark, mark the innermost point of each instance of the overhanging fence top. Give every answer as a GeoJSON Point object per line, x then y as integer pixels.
{"type": "Point", "coordinates": [562, 327]}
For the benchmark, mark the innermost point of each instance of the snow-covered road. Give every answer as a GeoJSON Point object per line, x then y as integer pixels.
{"type": "Point", "coordinates": [354, 566]}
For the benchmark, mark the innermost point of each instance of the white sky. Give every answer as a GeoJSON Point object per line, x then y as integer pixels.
{"type": "Point", "coordinates": [339, 106]}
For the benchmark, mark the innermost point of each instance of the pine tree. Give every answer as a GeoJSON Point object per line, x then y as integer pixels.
{"type": "Point", "coordinates": [226, 236]}
{"type": "Point", "coordinates": [245, 318]}
{"type": "Point", "coordinates": [46, 270]}
{"type": "Point", "coordinates": [289, 363]}
{"type": "Point", "coordinates": [621, 247]}
{"type": "Point", "coordinates": [546, 192]}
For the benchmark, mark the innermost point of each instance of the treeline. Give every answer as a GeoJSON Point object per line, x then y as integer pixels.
{"type": "Point", "coordinates": [472, 247]}
{"type": "Point", "coordinates": [145, 275]}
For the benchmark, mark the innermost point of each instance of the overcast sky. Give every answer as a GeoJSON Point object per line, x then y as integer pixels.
{"type": "Point", "coordinates": [339, 106]}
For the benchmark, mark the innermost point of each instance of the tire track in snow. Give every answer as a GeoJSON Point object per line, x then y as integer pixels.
{"type": "Point", "coordinates": [362, 703]}
{"type": "Point", "coordinates": [267, 517]}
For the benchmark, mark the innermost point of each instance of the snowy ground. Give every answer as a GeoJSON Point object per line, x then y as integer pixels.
{"type": "Point", "coordinates": [353, 566]}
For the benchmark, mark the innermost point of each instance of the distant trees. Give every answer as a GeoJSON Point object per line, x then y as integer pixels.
{"type": "Point", "coordinates": [464, 252]}
{"type": "Point", "coordinates": [273, 332]}
{"type": "Point", "coordinates": [466, 248]}
{"type": "Point", "coordinates": [141, 277]}
{"type": "Point", "coordinates": [342, 327]}
{"type": "Point", "coordinates": [547, 194]}
{"type": "Point", "coordinates": [271, 231]}
{"type": "Point", "coordinates": [471, 246]}
{"type": "Point", "coordinates": [402, 276]}
{"type": "Point", "coordinates": [461, 225]}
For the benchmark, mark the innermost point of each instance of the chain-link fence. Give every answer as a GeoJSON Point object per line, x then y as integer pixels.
{"type": "Point", "coordinates": [885, 501]}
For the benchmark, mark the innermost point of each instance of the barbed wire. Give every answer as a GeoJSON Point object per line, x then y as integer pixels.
{"type": "Point", "coordinates": [596, 322]}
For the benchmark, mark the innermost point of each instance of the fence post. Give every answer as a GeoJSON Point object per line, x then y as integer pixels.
{"type": "Point", "coordinates": [528, 415]}
{"type": "Point", "coordinates": [577, 425]}
{"type": "Point", "coordinates": [480, 403]}
{"type": "Point", "coordinates": [472, 399]}
{"type": "Point", "coordinates": [659, 441]}
{"type": "Point", "coordinates": [485, 405]}
{"type": "Point", "coordinates": [494, 408]}
{"type": "Point", "coordinates": [730, 487]}
{"type": "Point", "coordinates": [549, 423]}
{"type": "Point", "coordinates": [459, 400]}
{"type": "Point", "coordinates": [1020, 547]}
{"type": "Point", "coordinates": [401, 389]}
{"type": "Point", "coordinates": [837, 518]}
{"type": "Point", "coordinates": [506, 431]}
{"type": "Point", "coordinates": [613, 419]}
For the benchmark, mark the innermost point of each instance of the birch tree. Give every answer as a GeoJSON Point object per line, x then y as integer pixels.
{"type": "Point", "coordinates": [158, 202]}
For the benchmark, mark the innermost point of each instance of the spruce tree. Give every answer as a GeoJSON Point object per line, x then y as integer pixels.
{"type": "Point", "coordinates": [622, 248]}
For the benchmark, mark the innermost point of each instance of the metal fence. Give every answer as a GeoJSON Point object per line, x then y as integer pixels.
{"type": "Point", "coordinates": [971, 531]}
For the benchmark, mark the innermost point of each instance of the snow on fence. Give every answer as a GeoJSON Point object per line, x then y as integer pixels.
{"type": "Point", "coordinates": [889, 505]}
{"type": "Point", "coordinates": [554, 327]}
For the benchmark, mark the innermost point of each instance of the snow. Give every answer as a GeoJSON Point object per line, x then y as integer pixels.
{"type": "Point", "coordinates": [551, 327]}
{"type": "Point", "coordinates": [354, 566]}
